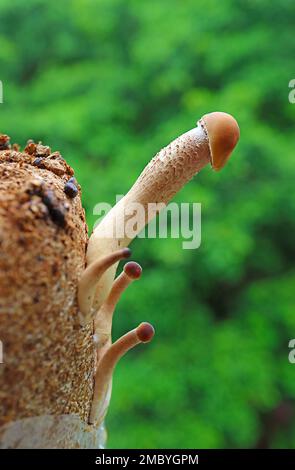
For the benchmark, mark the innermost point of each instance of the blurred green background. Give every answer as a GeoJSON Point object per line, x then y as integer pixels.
{"type": "Point", "coordinates": [108, 83]}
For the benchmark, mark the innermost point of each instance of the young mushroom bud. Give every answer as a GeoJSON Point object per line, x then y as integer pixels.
{"type": "Point", "coordinates": [92, 275]}
{"type": "Point", "coordinates": [212, 141]}
{"type": "Point", "coordinates": [103, 377]}
{"type": "Point", "coordinates": [103, 321]}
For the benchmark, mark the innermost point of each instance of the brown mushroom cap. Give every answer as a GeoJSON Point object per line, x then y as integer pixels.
{"type": "Point", "coordinates": [145, 332]}
{"type": "Point", "coordinates": [133, 270]}
{"type": "Point", "coordinates": [223, 134]}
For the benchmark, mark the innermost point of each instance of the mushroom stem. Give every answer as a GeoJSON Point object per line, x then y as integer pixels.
{"type": "Point", "coordinates": [90, 278]}
{"type": "Point", "coordinates": [103, 321]}
{"type": "Point", "coordinates": [103, 377]}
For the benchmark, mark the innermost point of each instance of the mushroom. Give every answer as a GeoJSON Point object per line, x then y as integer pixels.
{"type": "Point", "coordinates": [88, 281]}
{"type": "Point", "coordinates": [212, 141]}
{"type": "Point", "coordinates": [103, 321]}
{"type": "Point", "coordinates": [103, 377]}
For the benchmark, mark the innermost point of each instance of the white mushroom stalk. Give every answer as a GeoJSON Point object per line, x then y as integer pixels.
{"type": "Point", "coordinates": [103, 377]}
{"type": "Point", "coordinates": [212, 141]}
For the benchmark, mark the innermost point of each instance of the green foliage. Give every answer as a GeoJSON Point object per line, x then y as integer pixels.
{"type": "Point", "coordinates": [108, 83]}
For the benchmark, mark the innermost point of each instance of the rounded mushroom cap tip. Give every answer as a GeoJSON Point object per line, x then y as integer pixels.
{"type": "Point", "coordinates": [133, 270]}
{"type": "Point", "coordinates": [145, 332]}
{"type": "Point", "coordinates": [223, 134]}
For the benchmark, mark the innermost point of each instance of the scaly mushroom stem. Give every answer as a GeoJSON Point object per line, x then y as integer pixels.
{"type": "Point", "coordinates": [212, 141]}
{"type": "Point", "coordinates": [103, 377]}
{"type": "Point", "coordinates": [90, 278]}
{"type": "Point", "coordinates": [103, 321]}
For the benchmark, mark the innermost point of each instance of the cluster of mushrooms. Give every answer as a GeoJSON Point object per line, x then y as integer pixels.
{"type": "Point", "coordinates": [58, 290]}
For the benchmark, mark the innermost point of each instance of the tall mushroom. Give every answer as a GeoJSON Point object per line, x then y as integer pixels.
{"type": "Point", "coordinates": [212, 141]}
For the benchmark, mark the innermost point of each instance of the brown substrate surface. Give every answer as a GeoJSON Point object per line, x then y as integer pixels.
{"type": "Point", "coordinates": [48, 358]}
